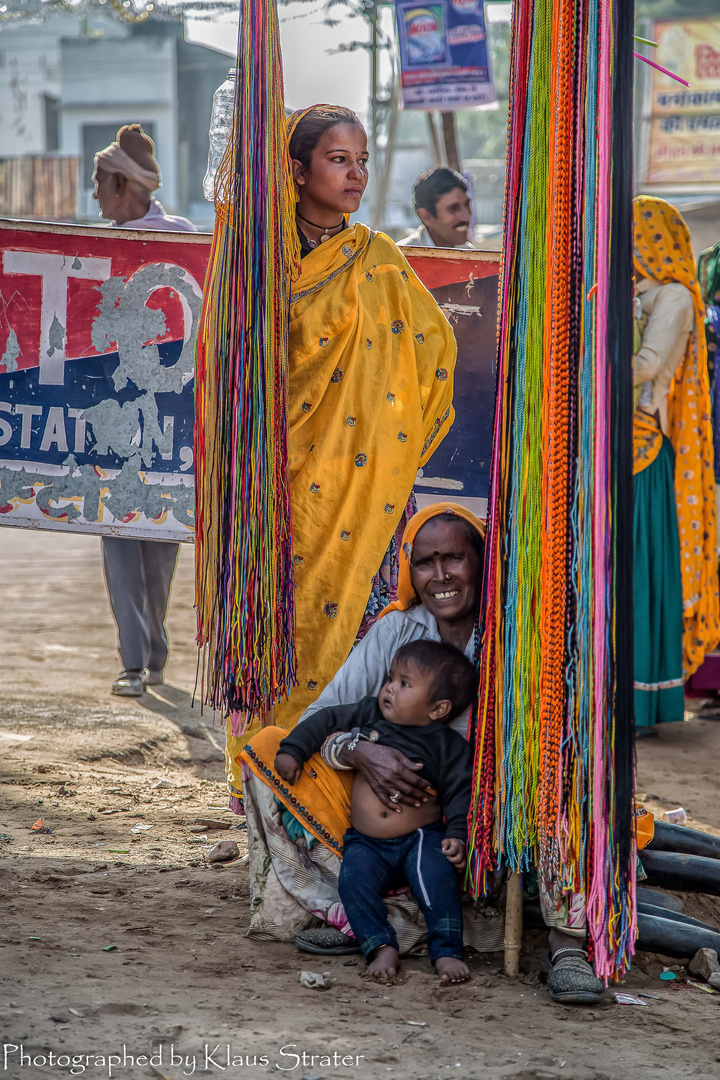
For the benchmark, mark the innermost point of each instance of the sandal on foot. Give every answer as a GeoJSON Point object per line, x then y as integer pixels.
{"type": "Point", "coordinates": [152, 678]}
{"type": "Point", "coordinates": [571, 978]}
{"type": "Point", "coordinates": [326, 941]}
{"type": "Point", "coordinates": [128, 684]}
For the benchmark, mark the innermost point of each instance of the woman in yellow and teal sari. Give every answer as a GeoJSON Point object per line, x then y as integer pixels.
{"type": "Point", "coordinates": [677, 615]}
{"type": "Point", "coordinates": [370, 398]}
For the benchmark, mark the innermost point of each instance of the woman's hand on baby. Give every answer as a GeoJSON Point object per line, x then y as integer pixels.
{"type": "Point", "coordinates": [389, 773]}
{"type": "Point", "coordinates": [287, 767]}
{"type": "Point", "coordinates": [454, 851]}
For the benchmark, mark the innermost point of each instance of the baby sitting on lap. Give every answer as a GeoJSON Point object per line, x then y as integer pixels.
{"type": "Point", "coordinates": [429, 684]}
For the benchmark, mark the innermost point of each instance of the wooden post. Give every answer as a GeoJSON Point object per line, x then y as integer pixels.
{"type": "Point", "coordinates": [268, 719]}
{"type": "Point", "coordinates": [434, 142]}
{"type": "Point", "coordinates": [371, 13]}
{"type": "Point", "coordinates": [449, 135]}
{"type": "Point", "coordinates": [383, 180]}
{"type": "Point", "coordinates": [513, 924]}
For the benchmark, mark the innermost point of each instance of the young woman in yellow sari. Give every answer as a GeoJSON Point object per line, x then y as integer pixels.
{"type": "Point", "coordinates": [677, 614]}
{"type": "Point", "coordinates": [370, 398]}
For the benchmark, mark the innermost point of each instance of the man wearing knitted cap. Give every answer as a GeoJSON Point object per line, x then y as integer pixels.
{"type": "Point", "coordinates": [138, 573]}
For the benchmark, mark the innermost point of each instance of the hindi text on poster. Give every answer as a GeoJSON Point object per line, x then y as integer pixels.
{"type": "Point", "coordinates": [684, 145]}
{"type": "Point", "coordinates": [97, 331]}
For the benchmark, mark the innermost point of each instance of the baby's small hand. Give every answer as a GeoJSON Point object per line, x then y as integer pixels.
{"type": "Point", "coordinates": [454, 851]}
{"type": "Point", "coordinates": [287, 767]}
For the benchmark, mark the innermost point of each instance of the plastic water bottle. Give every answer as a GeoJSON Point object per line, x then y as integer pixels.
{"type": "Point", "coordinates": [221, 121]}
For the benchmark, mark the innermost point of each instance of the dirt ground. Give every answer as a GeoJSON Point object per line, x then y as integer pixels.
{"type": "Point", "coordinates": [119, 941]}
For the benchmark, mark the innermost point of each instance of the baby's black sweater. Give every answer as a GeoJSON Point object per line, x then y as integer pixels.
{"type": "Point", "coordinates": [445, 755]}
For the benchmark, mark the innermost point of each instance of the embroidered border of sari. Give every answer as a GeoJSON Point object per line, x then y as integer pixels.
{"type": "Point", "coordinates": [320, 800]}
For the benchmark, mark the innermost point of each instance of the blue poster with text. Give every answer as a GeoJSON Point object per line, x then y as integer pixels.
{"type": "Point", "coordinates": [444, 56]}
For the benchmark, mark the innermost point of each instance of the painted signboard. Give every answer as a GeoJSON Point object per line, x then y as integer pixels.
{"type": "Point", "coordinates": [684, 143]}
{"type": "Point", "coordinates": [465, 284]}
{"type": "Point", "coordinates": [444, 58]}
{"type": "Point", "coordinates": [96, 377]}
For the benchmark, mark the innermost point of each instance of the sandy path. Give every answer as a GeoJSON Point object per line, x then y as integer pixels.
{"type": "Point", "coordinates": [182, 974]}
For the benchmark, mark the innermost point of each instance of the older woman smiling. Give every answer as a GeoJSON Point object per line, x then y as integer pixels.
{"type": "Point", "coordinates": [295, 834]}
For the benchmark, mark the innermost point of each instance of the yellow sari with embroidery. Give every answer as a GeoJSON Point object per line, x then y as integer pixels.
{"type": "Point", "coordinates": [372, 359]}
{"type": "Point", "coordinates": [663, 252]}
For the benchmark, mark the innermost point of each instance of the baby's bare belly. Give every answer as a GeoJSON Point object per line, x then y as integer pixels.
{"type": "Point", "coordinates": [370, 816]}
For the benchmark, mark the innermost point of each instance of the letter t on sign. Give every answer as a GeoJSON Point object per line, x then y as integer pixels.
{"type": "Point", "coordinates": [54, 271]}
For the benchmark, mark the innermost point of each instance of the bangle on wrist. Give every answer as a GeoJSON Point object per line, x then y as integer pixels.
{"type": "Point", "coordinates": [343, 740]}
{"type": "Point", "coordinates": [331, 748]}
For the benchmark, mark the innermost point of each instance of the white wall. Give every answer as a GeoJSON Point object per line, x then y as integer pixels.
{"type": "Point", "coordinates": [164, 127]}
{"type": "Point", "coordinates": [29, 68]}
{"type": "Point", "coordinates": [138, 86]}
{"type": "Point", "coordinates": [100, 75]}
{"type": "Point", "coordinates": [102, 71]}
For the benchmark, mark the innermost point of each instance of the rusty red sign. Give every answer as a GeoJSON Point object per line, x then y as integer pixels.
{"type": "Point", "coordinates": [96, 376]}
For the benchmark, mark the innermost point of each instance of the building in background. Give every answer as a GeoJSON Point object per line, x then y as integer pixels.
{"type": "Point", "coordinates": [678, 127]}
{"type": "Point", "coordinates": [68, 84]}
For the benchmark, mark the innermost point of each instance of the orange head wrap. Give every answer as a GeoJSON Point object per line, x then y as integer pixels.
{"type": "Point", "coordinates": [406, 595]}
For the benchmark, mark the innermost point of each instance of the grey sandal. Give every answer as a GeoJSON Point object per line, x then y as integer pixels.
{"type": "Point", "coordinates": [128, 684]}
{"type": "Point", "coordinates": [152, 678]}
{"type": "Point", "coordinates": [327, 942]}
{"type": "Point", "coordinates": [571, 978]}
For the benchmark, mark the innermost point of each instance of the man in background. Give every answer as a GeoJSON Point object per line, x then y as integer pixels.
{"type": "Point", "coordinates": [138, 573]}
{"type": "Point", "coordinates": [442, 203]}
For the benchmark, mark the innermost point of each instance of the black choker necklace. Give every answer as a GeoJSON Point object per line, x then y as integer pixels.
{"type": "Point", "coordinates": [326, 234]}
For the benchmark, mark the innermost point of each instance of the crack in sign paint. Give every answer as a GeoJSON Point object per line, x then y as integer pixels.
{"type": "Point", "coordinates": [56, 336]}
{"type": "Point", "coordinates": [12, 352]}
{"type": "Point", "coordinates": [125, 319]}
{"type": "Point", "coordinates": [80, 491]}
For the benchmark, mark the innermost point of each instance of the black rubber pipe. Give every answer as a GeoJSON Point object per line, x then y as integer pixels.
{"type": "Point", "coordinates": [672, 938]}
{"type": "Point", "coordinates": [671, 934]}
{"type": "Point", "coordinates": [681, 839]}
{"type": "Point", "coordinates": [658, 898]}
{"type": "Point", "coordinates": [672, 870]}
{"type": "Point", "coordinates": [674, 916]}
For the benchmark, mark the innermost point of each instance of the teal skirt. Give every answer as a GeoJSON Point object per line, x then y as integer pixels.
{"type": "Point", "coordinates": [657, 594]}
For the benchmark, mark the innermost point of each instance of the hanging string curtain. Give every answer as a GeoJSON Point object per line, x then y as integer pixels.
{"type": "Point", "coordinates": [554, 755]}
{"type": "Point", "coordinates": [244, 581]}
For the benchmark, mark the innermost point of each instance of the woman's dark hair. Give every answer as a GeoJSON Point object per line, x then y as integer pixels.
{"type": "Point", "coordinates": [452, 676]}
{"type": "Point", "coordinates": [314, 124]}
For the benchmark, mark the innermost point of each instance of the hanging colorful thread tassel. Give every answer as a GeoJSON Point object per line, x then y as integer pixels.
{"type": "Point", "coordinates": [554, 749]}
{"type": "Point", "coordinates": [244, 584]}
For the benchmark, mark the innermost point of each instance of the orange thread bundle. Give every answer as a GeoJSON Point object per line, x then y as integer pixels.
{"type": "Point", "coordinates": [553, 761]}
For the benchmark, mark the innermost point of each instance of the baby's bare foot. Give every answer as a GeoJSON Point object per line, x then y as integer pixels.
{"type": "Point", "coordinates": [385, 964]}
{"type": "Point", "coordinates": [451, 970]}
